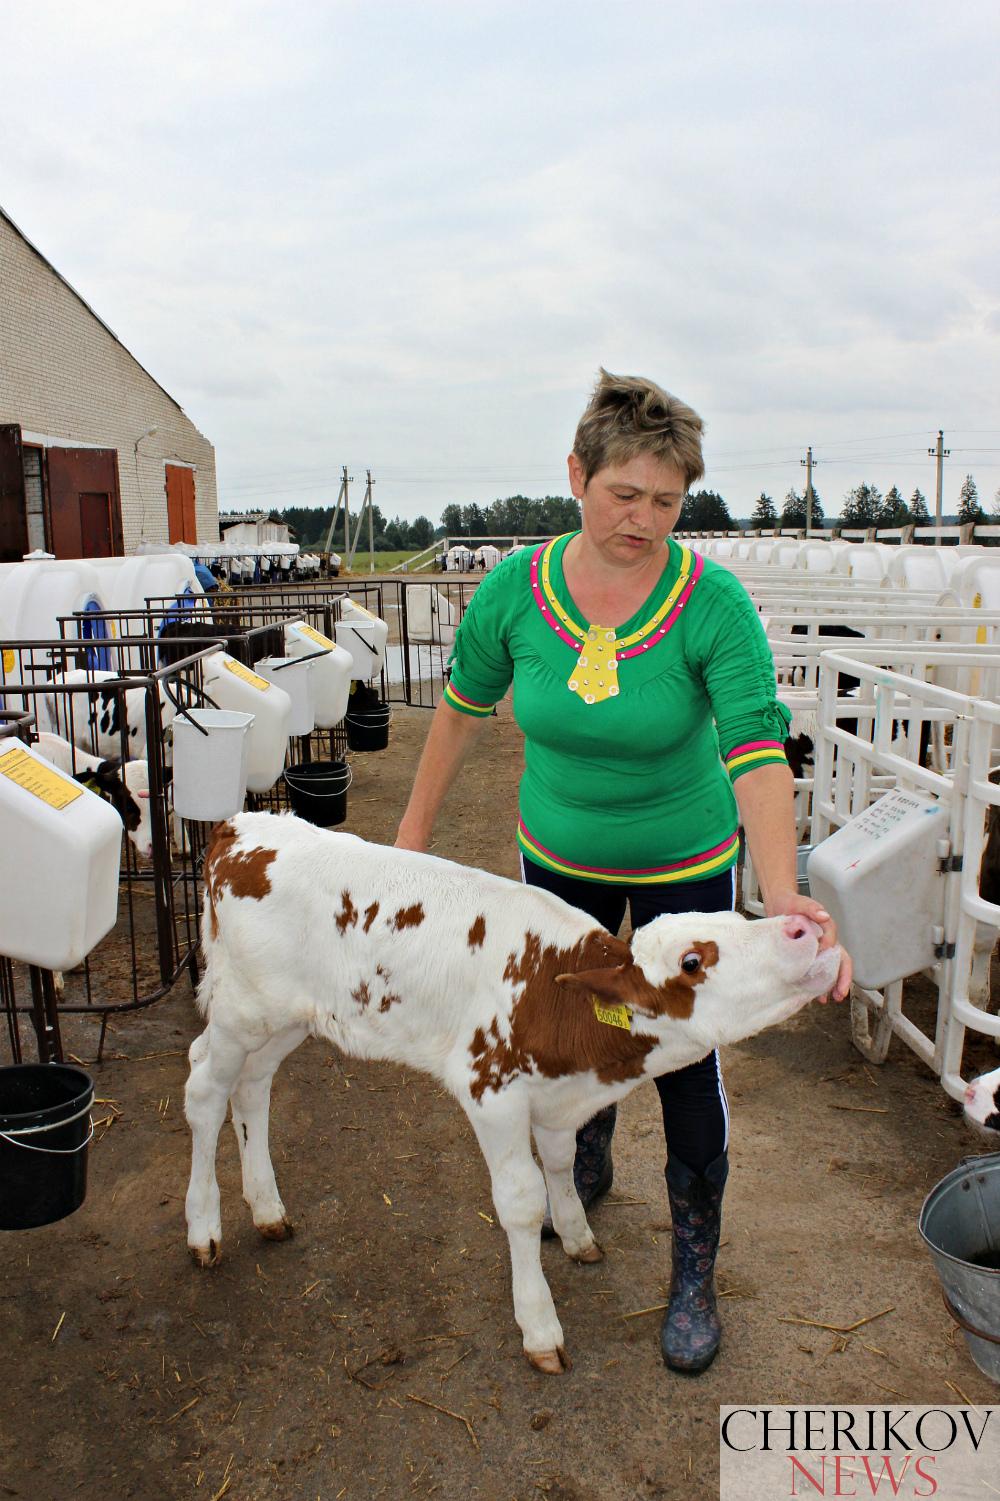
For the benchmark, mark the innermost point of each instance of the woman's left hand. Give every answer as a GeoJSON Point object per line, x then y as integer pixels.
{"type": "Point", "coordinates": [792, 901]}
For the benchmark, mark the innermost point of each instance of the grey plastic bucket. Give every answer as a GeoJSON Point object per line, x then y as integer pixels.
{"type": "Point", "coordinates": [960, 1223]}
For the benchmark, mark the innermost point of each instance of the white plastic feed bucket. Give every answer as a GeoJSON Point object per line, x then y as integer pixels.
{"type": "Point", "coordinates": [210, 769]}
{"type": "Point", "coordinates": [361, 639]}
{"type": "Point", "coordinates": [294, 676]}
{"type": "Point", "coordinates": [231, 685]}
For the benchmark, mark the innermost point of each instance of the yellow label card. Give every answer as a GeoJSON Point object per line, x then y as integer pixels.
{"type": "Point", "coordinates": [253, 678]}
{"type": "Point", "coordinates": [40, 780]}
{"type": "Point", "coordinates": [312, 635]}
{"type": "Point", "coordinates": [8, 661]}
{"type": "Point", "coordinates": [612, 1016]}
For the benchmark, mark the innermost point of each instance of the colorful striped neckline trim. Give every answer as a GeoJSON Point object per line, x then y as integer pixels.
{"type": "Point", "coordinates": [641, 640]}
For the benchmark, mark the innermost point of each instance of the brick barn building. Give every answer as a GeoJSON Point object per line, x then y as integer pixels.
{"type": "Point", "coordinates": [95, 457]}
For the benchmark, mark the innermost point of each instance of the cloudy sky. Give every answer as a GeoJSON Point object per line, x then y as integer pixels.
{"type": "Point", "coordinates": [403, 236]}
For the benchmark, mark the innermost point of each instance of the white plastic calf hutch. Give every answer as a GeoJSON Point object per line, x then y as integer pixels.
{"type": "Point", "coordinates": [64, 844]}
{"type": "Point", "coordinates": [35, 595]}
{"type": "Point", "coordinates": [430, 616]}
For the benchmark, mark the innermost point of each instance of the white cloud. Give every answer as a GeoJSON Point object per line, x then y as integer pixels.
{"type": "Point", "coordinates": [407, 235]}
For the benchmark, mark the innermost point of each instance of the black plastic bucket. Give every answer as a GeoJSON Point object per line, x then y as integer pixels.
{"type": "Point", "coordinates": [45, 1129]}
{"type": "Point", "coordinates": [368, 729]}
{"type": "Point", "coordinates": [317, 791]}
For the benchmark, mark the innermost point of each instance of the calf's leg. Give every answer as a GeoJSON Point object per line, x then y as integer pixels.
{"type": "Point", "coordinates": [251, 1100]}
{"type": "Point", "coordinates": [216, 1064]}
{"type": "Point", "coordinates": [557, 1150]}
{"type": "Point", "coordinates": [504, 1134]}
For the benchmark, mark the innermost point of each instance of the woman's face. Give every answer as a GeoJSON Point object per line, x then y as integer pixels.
{"type": "Point", "coordinates": [630, 508]}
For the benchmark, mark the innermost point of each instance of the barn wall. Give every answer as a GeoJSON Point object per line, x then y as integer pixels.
{"type": "Point", "coordinates": [69, 382]}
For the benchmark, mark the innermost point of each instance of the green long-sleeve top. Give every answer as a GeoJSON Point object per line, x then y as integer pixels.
{"type": "Point", "coordinates": [636, 785]}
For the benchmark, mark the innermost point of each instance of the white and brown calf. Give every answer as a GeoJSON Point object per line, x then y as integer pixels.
{"type": "Point", "coordinates": [489, 986]}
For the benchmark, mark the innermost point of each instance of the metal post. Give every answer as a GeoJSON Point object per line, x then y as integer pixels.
{"type": "Point", "coordinates": [345, 480]}
{"type": "Point", "coordinates": [45, 1015]}
{"type": "Point", "coordinates": [940, 453]}
{"type": "Point", "coordinates": [371, 534]}
{"type": "Point", "coordinates": [808, 461]}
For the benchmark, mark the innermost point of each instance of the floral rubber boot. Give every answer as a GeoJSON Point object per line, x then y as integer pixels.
{"type": "Point", "coordinates": [691, 1330]}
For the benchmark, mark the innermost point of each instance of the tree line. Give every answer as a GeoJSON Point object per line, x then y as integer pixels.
{"type": "Point", "coordinates": [864, 506]}
{"type": "Point", "coordinates": [703, 510]}
{"type": "Point", "coordinates": [518, 515]}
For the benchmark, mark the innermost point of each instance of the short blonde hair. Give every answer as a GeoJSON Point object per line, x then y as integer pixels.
{"type": "Point", "coordinates": [628, 416]}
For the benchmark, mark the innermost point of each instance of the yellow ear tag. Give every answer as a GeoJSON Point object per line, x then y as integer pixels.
{"type": "Point", "coordinates": [612, 1016]}
{"type": "Point", "coordinates": [595, 676]}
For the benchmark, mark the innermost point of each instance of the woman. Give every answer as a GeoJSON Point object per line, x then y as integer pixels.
{"type": "Point", "coordinates": [644, 686]}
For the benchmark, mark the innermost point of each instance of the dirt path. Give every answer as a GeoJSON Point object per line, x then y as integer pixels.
{"type": "Point", "coordinates": [376, 1355]}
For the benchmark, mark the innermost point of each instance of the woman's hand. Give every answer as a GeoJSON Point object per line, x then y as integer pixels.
{"type": "Point", "coordinates": [785, 903]}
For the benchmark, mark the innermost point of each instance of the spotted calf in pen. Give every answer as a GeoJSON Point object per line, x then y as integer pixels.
{"type": "Point", "coordinates": [531, 1015]}
{"type": "Point", "coordinates": [125, 786]}
{"type": "Point", "coordinates": [99, 725]}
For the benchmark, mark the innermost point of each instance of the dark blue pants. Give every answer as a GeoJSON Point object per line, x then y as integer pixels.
{"type": "Point", "coordinates": [693, 1099]}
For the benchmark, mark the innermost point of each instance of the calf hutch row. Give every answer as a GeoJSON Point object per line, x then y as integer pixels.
{"type": "Point", "coordinates": [137, 712]}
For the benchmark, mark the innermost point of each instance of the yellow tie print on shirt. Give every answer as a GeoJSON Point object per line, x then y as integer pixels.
{"type": "Point", "coordinates": [595, 676]}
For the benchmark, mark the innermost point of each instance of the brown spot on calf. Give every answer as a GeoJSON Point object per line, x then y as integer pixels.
{"type": "Point", "coordinates": [370, 915]}
{"type": "Point", "coordinates": [408, 917]}
{"type": "Point", "coordinates": [553, 1026]}
{"type": "Point", "coordinates": [244, 873]}
{"type": "Point", "coordinates": [477, 933]}
{"type": "Point", "coordinates": [348, 915]}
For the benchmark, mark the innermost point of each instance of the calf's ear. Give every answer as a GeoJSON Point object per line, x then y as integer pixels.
{"type": "Point", "coordinates": [609, 984]}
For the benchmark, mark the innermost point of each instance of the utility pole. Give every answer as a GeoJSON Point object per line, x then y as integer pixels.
{"type": "Point", "coordinates": [940, 453]}
{"type": "Point", "coordinates": [345, 480]}
{"type": "Point", "coordinates": [371, 525]}
{"type": "Point", "coordinates": [366, 504]}
{"type": "Point", "coordinates": [809, 461]}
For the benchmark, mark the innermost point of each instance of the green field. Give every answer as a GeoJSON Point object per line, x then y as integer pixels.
{"type": "Point", "coordinates": [385, 562]}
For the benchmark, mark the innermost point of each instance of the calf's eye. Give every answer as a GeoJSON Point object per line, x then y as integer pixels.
{"type": "Point", "coordinates": [691, 963]}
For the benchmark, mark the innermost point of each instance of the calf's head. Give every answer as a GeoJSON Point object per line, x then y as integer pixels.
{"type": "Point", "coordinates": [699, 980]}
{"type": "Point", "coordinates": [982, 1105]}
{"type": "Point", "coordinates": [126, 787]}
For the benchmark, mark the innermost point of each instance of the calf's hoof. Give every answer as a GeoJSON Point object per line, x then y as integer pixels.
{"type": "Point", "coordinates": [550, 1362]}
{"type": "Point", "coordinates": [282, 1229]}
{"type": "Point", "coordinates": [206, 1256]}
{"type": "Point", "coordinates": [588, 1256]}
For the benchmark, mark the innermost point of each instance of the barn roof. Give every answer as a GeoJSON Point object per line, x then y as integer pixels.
{"type": "Point", "coordinates": [68, 285]}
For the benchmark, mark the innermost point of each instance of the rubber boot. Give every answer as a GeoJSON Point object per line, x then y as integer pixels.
{"type": "Point", "coordinates": [593, 1170]}
{"type": "Point", "coordinates": [691, 1330]}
